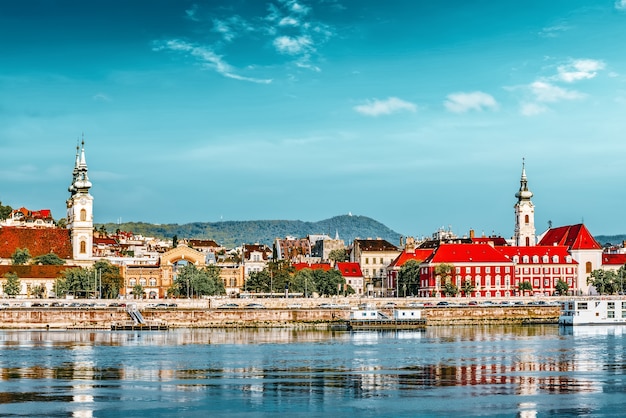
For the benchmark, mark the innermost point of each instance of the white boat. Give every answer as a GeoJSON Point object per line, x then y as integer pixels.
{"type": "Point", "coordinates": [593, 311]}
{"type": "Point", "coordinates": [372, 319]}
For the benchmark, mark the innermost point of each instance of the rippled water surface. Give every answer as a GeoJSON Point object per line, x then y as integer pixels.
{"type": "Point", "coordinates": [443, 371]}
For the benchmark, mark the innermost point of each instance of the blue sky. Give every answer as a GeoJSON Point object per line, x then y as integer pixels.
{"type": "Point", "coordinates": [414, 113]}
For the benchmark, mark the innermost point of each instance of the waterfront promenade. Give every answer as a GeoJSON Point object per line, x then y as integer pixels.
{"type": "Point", "coordinates": [252, 312]}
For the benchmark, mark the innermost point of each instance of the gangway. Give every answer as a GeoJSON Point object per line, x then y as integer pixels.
{"type": "Point", "coordinates": [134, 313]}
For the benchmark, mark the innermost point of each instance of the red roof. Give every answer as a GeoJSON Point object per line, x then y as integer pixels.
{"type": "Point", "coordinates": [575, 237]}
{"type": "Point", "coordinates": [38, 241]}
{"type": "Point", "coordinates": [467, 253]}
{"type": "Point", "coordinates": [539, 251]}
{"type": "Point", "coordinates": [348, 269]}
{"type": "Point", "coordinates": [614, 259]}
{"type": "Point", "coordinates": [497, 241]}
{"type": "Point", "coordinates": [35, 271]}
{"type": "Point", "coordinates": [312, 266]}
{"type": "Point", "coordinates": [418, 255]}
{"type": "Point", "coordinates": [104, 241]}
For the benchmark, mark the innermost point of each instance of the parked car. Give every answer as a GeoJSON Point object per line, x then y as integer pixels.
{"type": "Point", "coordinates": [228, 306]}
{"type": "Point", "coordinates": [254, 306]}
{"type": "Point", "coordinates": [389, 305]}
{"type": "Point", "coordinates": [294, 306]}
{"type": "Point", "coordinates": [443, 303]}
{"type": "Point", "coordinates": [473, 303]}
{"type": "Point", "coordinates": [415, 305]}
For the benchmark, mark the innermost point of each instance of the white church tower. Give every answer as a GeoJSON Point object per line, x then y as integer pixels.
{"type": "Point", "coordinates": [80, 209]}
{"type": "Point", "coordinates": [524, 214]}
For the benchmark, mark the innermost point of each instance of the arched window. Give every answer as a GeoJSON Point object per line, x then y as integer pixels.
{"type": "Point", "coordinates": [132, 282]}
{"type": "Point", "coordinates": [588, 267]}
{"type": "Point", "coordinates": [83, 215]}
{"type": "Point", "coordinates": [83, 247]}
{"type": "Point", "coordinates": [142, 281]}
{"type": "Point", "coordinates": [152, 281]}
{"type": "Point", "coordinates": [528, 241]}
{"type": "Point", "coordinates": [526, 219]}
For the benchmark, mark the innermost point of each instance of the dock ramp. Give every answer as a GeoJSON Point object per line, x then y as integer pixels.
{"type": "Point", "coordinates": [134, 314]}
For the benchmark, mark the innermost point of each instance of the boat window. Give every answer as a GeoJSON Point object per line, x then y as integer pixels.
{"type": "Point", "coordinates": [582, 305]}
{"type": "Point", "coordinates": [610, 314]}
{"type": "Point", "coordinates": [610, 305]}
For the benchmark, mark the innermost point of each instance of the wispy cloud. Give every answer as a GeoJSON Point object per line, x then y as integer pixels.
{"type": "Point", "coordinates": [463, 102]}
{"type": "Point", "coordinates": [554, 30]}
{"type": "Point", "coordinates": [288, 26]}
{"type": "Point", "coordinates": [620, 4]}
{"type": "Point", "coordinates": [581, 69]}
{"type": "Point", "coordinates": [101, 97]}
{"type": "Point", "coordinates": [532, 109]}
{"type": "Point", "coordinates": [207, 58]}
{"type": "Point", "coordinates": [549, 93]}
{"type": "Point", "coordinates": [385, 107]}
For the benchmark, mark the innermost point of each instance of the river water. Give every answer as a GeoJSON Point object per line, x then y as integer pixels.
{"type": "Point", "coordinates": [517, 371]}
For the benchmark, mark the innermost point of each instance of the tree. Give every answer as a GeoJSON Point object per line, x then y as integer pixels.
{"type": "Point", "coordinates": [138, 291]}
{"type": "Point", "coordinates": [62, 223]}
{"type": "Point", "coordinates": [192, 281]}
{"type": "Point", "coordinates": [76, 281]}
{"type": "Point", "coordinates": [561, 287]}
{"type": "Point", "coordinates": [444, 271]}
{"type": "Point", "coordinates": [38, 291]}
{"type": "Point", "coordinates": [258, 282]}
{"type": "Point", "coordinates": [329, 282]}
{"type": "Point", "coordinates": [5, 211]}
{"type": "Point", "coordinates": [604, 281]}
{"type": "Point", "coordinates": [304, 282]}
{"type": "Point", "coordinates": [409, 278]}
{"type": "Point", "coordinates": [450, 289]}
{"type": "Point", "coordinates": [20, 256]}
{"type": "Point", "coordinates": [338, 255]}
{"type": "Point", "coordinates": [50, 259]}
{"type": "Point", "coordinates": [12, 286]}
{"type": "Point", "coordinates": [175, 241]}
{"type": "Point", "coordinates": [109, 278]}
{"type": "Point", "coordinates": [468, 287]}
{"type": "Point", "coordinates": [525, 287]}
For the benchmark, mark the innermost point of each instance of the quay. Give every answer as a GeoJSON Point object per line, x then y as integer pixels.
{"type": "Point", "coordinates": [293, 313]}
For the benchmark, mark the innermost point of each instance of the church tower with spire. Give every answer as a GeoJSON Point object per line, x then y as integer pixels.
{"type": "Point", "coordinates": [524, 214]}
{"type": "Point", "coordinates": [80, 209]}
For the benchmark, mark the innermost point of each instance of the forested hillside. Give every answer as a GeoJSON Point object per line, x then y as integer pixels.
{"type": "Point", "coordinates": [234, 233]}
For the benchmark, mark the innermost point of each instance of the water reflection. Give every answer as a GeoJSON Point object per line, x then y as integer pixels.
{"type": "Point", "coordinates": [87, 372]}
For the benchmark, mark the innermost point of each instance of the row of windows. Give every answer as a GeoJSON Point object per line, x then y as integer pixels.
{"type": "Point", "coordinates": [142, 282]}
{"type": "Point", "coordinates": [545, 270]}
{"type": "Point", "coordinates": [367, 260]}
{"type": "Point", "coordinates": [544, 259]}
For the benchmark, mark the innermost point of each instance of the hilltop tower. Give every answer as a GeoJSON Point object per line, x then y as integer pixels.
{"type": "Point", "coordinates": [524, 214]}
{"type": "Point", "coordinates": [80, 209]}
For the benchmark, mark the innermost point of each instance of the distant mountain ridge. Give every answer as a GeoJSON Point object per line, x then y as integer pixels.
{"type": "Point", "coordinates": [234, 233]}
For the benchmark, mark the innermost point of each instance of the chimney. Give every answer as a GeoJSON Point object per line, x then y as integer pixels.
{"type": "Point", "coordinates": [471, 234]}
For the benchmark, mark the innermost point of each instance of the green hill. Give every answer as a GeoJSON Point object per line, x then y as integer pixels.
{"type": "Point", "coordinates": [235, 233]}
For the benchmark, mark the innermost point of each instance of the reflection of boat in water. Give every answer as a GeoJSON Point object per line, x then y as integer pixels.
{"type": "Point", "coordinates": [593, 311]}
{"type": "Point", "coordinates": [593, 331]}
{"type": "Point", "coordinates": [372, 319]}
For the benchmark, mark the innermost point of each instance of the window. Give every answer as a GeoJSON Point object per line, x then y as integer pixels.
{"type": "Point", "coordinates": [83, 215]}
{"type": "Point", "coordinates": [487, 269]}
{"type": "Point", "coordinates": [152, 281]}
{"type": "Point", "coordinates": [83, 247]}
{"type": "Point", "coordinates": [132, 282]}
{"type": "Point", "coordinates": [458, 270]}
{"type": "Point", "coordinates": [367, 260]}
{"type": "Point", "coordinates": [588, 267]}
{"type": "Point", "coordinates": [610, 314]}
{"type": "Point", "coordinates": [516, 259]}
{"type": "Point", "coordinates": [526, 219]}
{"type": "Point", "coordinates": [555, 258]}
{"type": "Point", "coordinates": [582, 306]}
{"type": "Point", "coordinates": [545, 259]}
{"type": "Point", "coordinates": [525, 259]}
{"type": "Point", "coordinates": [528, 241]}
{"type": "Point", "coordinates": [507, 269]}
{"type": "Point", "coordinates": [535, 258]}
{"type": "Point", "coordinates": [468, 269]}
{"type": "Point", "coordinates": [498, 269]}
{"type": "Point", "coordinates": [610, 305]}
{"type": "Point", "coordinates": [142, 281]}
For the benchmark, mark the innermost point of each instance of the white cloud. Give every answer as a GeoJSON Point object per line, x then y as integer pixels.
{"type": "Point", "coordinates": [463, 102]}
{"type": "Point", "coordinates": [580, 69]}
{"type": "Point", "coordinates": [620, 4]}
{"type": "Point", "coordinates": [554, 30]}
{"type": "Point", "coordinates": [385, 107]}
{"type": "Point", "coordinates": [208, 58]}
{"type": "Point", "coordinates": [532, 109]}
{"type": "Point", "coordinates": [101, 97]}
{"type": "Point", "coordinates": [293, 45]}
{"type": "Point", "coordinates": [296, 7]}
{"type": "Point", "coordinates": [288, 21]}
{"type": "Point", "coordinates": [546, 92]}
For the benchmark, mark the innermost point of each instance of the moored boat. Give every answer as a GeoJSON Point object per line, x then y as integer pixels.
{"type": "Point", "coordinates": [372, 319]}
{"type": "Point", "coordinates": [593, 311]}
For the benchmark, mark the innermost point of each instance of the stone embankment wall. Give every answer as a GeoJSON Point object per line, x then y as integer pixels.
{"type": "Point", "coordinates": [64, 318]}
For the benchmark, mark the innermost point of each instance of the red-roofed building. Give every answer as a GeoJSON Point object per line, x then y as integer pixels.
{"type": "Point", "coordinates": [353, 275]}
{"type": "Point", "coordinates": [34, 275]}
{"type": "Point", "coordinates": [613, 261]}
{"type": "Point", "coordinates": [409, 253]}
{"type": "Point", "coordinates": [25, 218]}
{"type": "Point", "coordinates": [581, 245]}
{"type": "Point", "coordinates": [374, 255]}
{"type": "Point", "coordinates": [542, 267]}
{"type": "Point", "coordinates": [38, 241]}
{"type": "Point", "coordinates": [489, 271]}
{"type": "Point", "coordinates": [312, 266]}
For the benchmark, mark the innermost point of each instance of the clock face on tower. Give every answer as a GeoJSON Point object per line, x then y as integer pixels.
{"type": "Point", "coordinates": [83, 200]}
